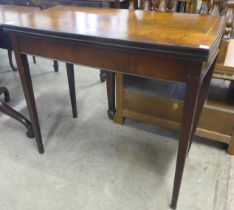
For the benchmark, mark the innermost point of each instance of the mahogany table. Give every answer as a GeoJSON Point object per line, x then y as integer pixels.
{"type": "Point", "coordinates": [132, 42]}
{"type": "Point", "coordinates": [11, 14]}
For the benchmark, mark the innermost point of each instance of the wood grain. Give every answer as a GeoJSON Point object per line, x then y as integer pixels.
{"type": "Point", "coordinates": [11, 14]}
{"type": "Point", "coordinates": [193, 35]}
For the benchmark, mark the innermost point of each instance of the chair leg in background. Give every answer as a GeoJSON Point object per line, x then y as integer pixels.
{"type": "Point", "coordinates": [102, 75]}
{"type": "Point", "coordinates": [56, 66]}
{"type": "Point", "coordinates": [34, 60]}
{"type": "Point", "coordinates": [10, 57]}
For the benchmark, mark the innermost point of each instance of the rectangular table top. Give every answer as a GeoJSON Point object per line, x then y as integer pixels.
{"type": "Point", "coordinates": [193, 36]}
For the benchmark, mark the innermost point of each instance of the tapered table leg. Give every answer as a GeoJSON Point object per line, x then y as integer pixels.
{"type": "Point", "coordinates": [196, 90]}
{"type": "Point", "coordinates": [11, 60]}
{"type": "Point", "coordinates": [201, 99]}
{"type": "Point", "coordinates": [72, 88]}
{"type": "Point", "coordinates": [110, 85]}
{"type": "Point", "coordinates": [26, 81]}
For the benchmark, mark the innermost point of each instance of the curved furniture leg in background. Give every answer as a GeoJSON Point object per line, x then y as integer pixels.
{"type": "Point", "coordinates": [4, 108]}
{"type": "Point", "coordinates": [11, 60]}
{"type": "Point", "coordinates": [6, 93]}
{"type": "Point", "coordinates": [72, 88]}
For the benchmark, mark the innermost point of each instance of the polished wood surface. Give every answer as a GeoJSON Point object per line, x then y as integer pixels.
{"type": "Point", "coordinates": [193, 35]}
{"type": "Point", "coordinates": [114, 40]}
{"type": "Point", "coordinates": [10, 14]}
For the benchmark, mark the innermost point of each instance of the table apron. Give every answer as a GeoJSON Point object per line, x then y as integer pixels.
{"type": "Point", "coordinates": [128, 62]}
